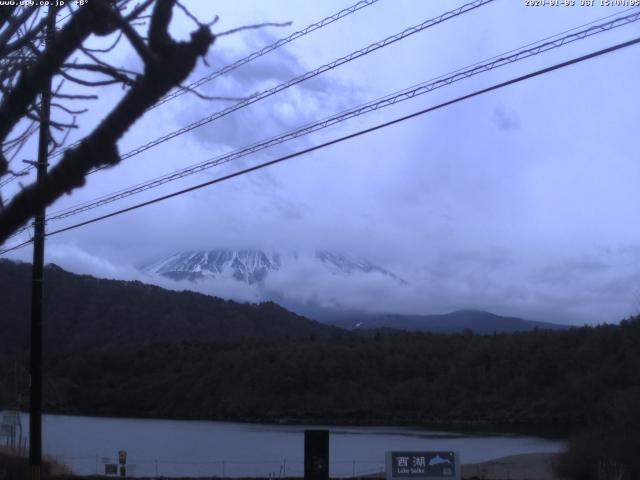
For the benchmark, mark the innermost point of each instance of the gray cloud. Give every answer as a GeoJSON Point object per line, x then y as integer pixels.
{"type": "Point", "coordinates": [522, 201]}
{"type": "Point", "coordinates": [505, 120]}
{"type": "Point", "coordinates": [296, 106]}
{"type": "Point", "coordinates": [571, 270]}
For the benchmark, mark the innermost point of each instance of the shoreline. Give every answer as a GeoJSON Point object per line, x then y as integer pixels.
{"type": "Point", "coordinates": [544, 430]}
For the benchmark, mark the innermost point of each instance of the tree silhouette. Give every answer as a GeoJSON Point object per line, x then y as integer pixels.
{"type": "Point", "coordinates": [31, 57]}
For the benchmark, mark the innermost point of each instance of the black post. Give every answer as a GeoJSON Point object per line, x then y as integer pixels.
{"type": "Point", "coordinates": [316, 454]}
{"type": "Point", "coordinates": [35, 390]}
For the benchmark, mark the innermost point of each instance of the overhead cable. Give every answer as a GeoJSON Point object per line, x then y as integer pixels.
{"type": "Point", "coordinates": [228, 68]}
{"type": "Point", "coordinates": [350, 136]}
{"type": "Point", "coordinates": [306, 76]}
{"type": "Point", "coordinates": [269, 48]}
{"type": "Point", "coordinates": [381, 103]}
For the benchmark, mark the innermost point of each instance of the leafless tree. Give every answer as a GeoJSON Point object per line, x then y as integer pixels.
{"type": "Point", "coordinates": [32, 56]}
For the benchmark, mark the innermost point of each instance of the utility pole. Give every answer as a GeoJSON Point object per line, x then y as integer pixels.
{"type": "Point", "coordinates": [35, 364]}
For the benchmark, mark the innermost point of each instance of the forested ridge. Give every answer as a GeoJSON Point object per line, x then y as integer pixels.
{"type": "Point", "coordinates": [570, 378]}
{"type": "Point", "coordinates": [83, 313]}
{"type": "Point", "coordinates": [119, 348]}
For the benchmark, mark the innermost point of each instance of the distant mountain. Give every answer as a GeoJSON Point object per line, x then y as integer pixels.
{"type": "Point", "coordinates": [254, 266]}
{"type": "Point", "coordinates": [250, 266]}
{"type": "Point", "coordinates": [477, 321]}
{"type": "Point", "coordinates": [83, 312]}
{"type": "Point", "coordinates": [87, 313]}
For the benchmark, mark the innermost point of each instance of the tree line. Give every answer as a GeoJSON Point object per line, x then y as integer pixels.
{"type": "Point", "coordinates": [584, 382]}
{"type": "Point", "coordinates": [567, 378]}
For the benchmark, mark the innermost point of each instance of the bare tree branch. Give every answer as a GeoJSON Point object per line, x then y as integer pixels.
{"type": "Point", "coordinates": [118, 75]}
{"type": "Point", "coordinates": [136, 40]}
{"type": "Point", "coordinates": [159, 38]}
{"type": "Point", "coordinates": [32, 80]}
{"type": "Point", "coordinates": [14, 25]}
{"type": "Point", "coordinates": [208, 97]}
{"type": "Point", "coordinates": [172, 61]}
{"type": "Point", "coordinates": [68, 110]}
{"type": "Point", "coordinates": [75, 97]}
{"type": "Point", "coordinates": [252, 27]}
{"type": "Point", "coordinates": [87, 83]}
{"type": "Point", "coordinates": [55, 143]}
{"type": "Point", "coordinates": [21, 173]}
{"type": "Point", "coordinates": [98, 61]}
{"type": "Point", "coordinates": [107, 49]}
{"type": "Point", "coordinates": [29, 36]}
{"type": "Point", "coordinates": [135, 13]}
{"type": "Point", "coordinates": [6, 14]}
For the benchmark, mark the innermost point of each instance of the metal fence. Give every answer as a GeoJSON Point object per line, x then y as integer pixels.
{"type": "Point", "coordinates": [292, 467]}
{"type": "Point", "coordinates": [265, 468]}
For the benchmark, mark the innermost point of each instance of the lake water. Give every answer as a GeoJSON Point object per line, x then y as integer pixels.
{"type": "Point", "coordinates": [198, 448]}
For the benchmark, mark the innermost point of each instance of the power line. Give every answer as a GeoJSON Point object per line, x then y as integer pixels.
{"type": "Point", "coordinates": [306, 76]}
{"type": "Point", "coordinates": [348, 137]}
{"type": "Point", "coordinates": [28, 168]}
{"type": "Point", "coordinates": [16, 247]}
{"type": "Point", "coordinates": [228, 68]}
{"type": "Point", "coordinates": [370, 48]}
{"type": "Point", "coordinates": [296, 80]}
{"type": "Point", "coordinates": [411, 92]}
{"type": "Point", "coordinates": [252, 56]}
{"type": "Point", "coordinates": [383, 102]}
{"type": "Point", "coordinates": [269, 48]}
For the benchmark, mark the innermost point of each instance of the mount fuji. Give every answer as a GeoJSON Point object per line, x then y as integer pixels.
{"type": "Point", "coordinates": [254, 266]}
{"type": "Point", "coordinates": [316, 285]}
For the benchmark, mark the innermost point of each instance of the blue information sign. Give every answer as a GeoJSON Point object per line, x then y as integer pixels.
{"type": "Point", "coordinates": [423, 465]}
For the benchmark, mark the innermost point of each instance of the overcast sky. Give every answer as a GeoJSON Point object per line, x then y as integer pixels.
{"type": "Point", "coordinates": [523, 201]}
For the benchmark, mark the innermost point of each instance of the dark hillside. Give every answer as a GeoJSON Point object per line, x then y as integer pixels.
{"type": "Point", "coordinates": [88, 313]}
{"type": "Point", "coordinates": [569, 378]}
{"type": "Point", "coordinates": [477, 321]}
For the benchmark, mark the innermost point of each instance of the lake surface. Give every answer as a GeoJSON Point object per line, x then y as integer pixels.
{"type": "Point", "coordinates": [198, 448]}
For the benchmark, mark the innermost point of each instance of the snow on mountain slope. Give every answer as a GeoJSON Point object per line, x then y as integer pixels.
{"type": "Point", "coordinates": [254, 266]}
{"type": "Point", "coordinates": [344, 264]}
{"type": "Point", "coordinates": [250, 266]}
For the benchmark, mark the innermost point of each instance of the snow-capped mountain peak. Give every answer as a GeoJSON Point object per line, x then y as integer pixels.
{"type": "Point", "coordinates": [250, 266]}
{"type": "Point", "coordinates": [253, 266]}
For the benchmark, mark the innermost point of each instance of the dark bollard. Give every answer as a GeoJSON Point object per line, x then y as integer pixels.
{"type": "Point", "coordinates": [316, 454]}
